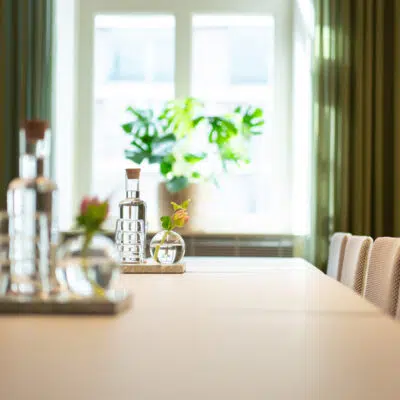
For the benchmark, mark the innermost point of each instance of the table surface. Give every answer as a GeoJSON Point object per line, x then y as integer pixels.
{"type": "Point", "coordinates": [230, 328]}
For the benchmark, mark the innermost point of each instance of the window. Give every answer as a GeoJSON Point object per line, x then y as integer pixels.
{"type": "Point", "coordinates": [224, 52]}
{"type": "Point", "coordinates": [134, 66]}
{"type": "Point", "coordinates": [232, 59]}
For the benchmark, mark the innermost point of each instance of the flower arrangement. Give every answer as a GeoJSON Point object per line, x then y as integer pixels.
{"type": "Point", "coordinates": [178, 219]}
{"type": "Point", "coordinates": [93, 213]}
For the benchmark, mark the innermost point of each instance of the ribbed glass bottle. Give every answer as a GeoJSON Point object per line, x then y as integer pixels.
{"type": "Point", "coordinates": [130, 234]}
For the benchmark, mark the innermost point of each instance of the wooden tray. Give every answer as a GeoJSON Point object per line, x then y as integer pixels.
{"type": "Point", "coordinates": [151, 267]}
{"type": "Point", "coordinates": [114, 302]}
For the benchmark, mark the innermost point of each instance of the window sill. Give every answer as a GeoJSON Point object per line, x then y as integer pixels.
{"type": "Point", "coordinates": [233, 245]}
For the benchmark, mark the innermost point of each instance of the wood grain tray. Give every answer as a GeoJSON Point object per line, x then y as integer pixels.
{"type": "Point", "coordinates": [151, 267]}
{"type": "Point", "coordinates": [114, 302]}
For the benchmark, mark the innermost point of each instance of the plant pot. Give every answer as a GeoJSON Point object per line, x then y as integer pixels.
{"type": "Point", "coordinates": [197, 192]}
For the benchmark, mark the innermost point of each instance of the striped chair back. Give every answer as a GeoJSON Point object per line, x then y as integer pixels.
{"type": "Point", "coordinates": [336, 254]}
{"type": "Point", "coordinates": [355, 262]}
{"type": "Point", "coordinates": [383, 276]}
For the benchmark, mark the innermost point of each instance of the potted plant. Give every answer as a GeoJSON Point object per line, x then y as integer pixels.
{"type": "Point", "coordinates": [189, 145]}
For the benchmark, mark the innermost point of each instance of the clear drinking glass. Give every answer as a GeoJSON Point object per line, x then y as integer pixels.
{"type": "Point", "coordinates": [130, 239]}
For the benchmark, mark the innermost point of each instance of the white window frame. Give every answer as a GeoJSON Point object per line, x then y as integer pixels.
{"type": "Point", "coordinates": [79, 174]}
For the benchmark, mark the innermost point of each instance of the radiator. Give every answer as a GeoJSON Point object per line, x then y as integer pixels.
{"type": "Point", "coordinates": [239, 246]}
{"type": "Point", "coordinates": [235, 245]}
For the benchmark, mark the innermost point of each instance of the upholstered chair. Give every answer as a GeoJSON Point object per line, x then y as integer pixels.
{"type": "Point", "coordinates": [383, 276]}
{"type": "Point", "coordinates": [355, 262]}
{"type": "Point", "coordinates": [336, 254]}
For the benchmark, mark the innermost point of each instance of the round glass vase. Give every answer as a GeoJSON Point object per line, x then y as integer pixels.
{"type": "Point", "coordinates": [91, 271]}
{"type": "Point", "coordinates": [167, 247]}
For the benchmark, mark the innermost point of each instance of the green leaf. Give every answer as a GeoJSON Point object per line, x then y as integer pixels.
{"type": "Point", "coordinates": [229, 126]}
{"type": "Point", "coordinates": [194, 158]}
{"type": "Point", "coordinates": [138, 145]}
{"type": "Point", "coordinates": [257, 113]}
{"type": "Point", "coordinates": [94, 216]}
{"type": "Point", "coordinates": [165, 167]}
{"type": "Point", "coordinates": [144, 130]}
{"type": "Point", "coordinates": [222, 130]}
{"type": "Point", "coordinates": [181, 116]}
{"type": "Point", "coordinates": [155, 159]}
{"type": "Point", "coordinates": [136, 157]}
{"type": "Point", "coordinates": [167, 164]}
{"type": "Point", "coordinates": [185, 204]}
{"type": "Point", "coordinates": [127, 127]}
{"type": "Point", "coordinates": [166, 138]}
{"type": "Point", "coordinates": [197, 120]}
{"type": "Point", "coordinates": [141, 115]}
{"type": "Point", "coordinates": [251, 120]}
{"type": "Point", "coordinates": [147, 139]}
{"type": "Point", "coordinates": [166, 222]}
{"type": "Point", "coordinates": [80, 220]}
{"type": "Point", "coordinates": [196, 175]}
{"type": "Point", "coordinates": [175, 206]}
{"type": "Point", "coordinates": [177, 184]}
{"type": "Point", "coordinates": [162, 146]}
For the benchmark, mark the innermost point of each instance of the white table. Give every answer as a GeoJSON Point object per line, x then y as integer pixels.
{"type": "Point", "coordinates": [270, 329]}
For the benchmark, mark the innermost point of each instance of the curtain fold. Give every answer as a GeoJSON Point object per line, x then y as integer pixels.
{"type": "Point", "coordinates": [356, 120]}
{"type": "Point", "coordinates": [25, 75]}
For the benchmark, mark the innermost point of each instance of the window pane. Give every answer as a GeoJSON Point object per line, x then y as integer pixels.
{"type": "Point", "coordinates": [134, 66]}
{"type": "Point", "coordinates": [233, 64]}
{"type": "Point", "coordinates": [248, 57]}
{"type": "Point", "coordinates": [127, 65]}
{"type": "Point", "coordinates": [233, 56]}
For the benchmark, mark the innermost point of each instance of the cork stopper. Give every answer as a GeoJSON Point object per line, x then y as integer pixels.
{"type": "Point", "coordinates": [35, 129]}
{"type": "Point", "coordinates": [133, 173]}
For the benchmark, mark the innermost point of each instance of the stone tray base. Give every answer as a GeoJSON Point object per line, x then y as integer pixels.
{"type": "Point", "coordinates": [114, 302]}
{"type": "Point", "coordinates": [151, 267]}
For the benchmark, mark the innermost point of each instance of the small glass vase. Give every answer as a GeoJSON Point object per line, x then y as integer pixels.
{"type": "Point", "coordinates": [91, 272]}
{"type": "Point", "coordinates": [167, 247]}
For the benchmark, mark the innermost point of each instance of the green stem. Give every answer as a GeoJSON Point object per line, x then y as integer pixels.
{"type": "Point", "coordinates": [162, 241]}
{"type": "Point", "coordinates": [98, 290]}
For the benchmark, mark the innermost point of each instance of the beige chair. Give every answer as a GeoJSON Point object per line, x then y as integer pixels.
{"type": "Point", "coordinates": [336, 254]}
{"type": "Point", "coordinates": [355, 262]}
{"type": "Point", "coordinates": [383, 276]}
{"type": "Point", "coordinates": [398, 308]}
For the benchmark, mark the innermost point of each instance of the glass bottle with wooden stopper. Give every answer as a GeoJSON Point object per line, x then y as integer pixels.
{"type": "Point", "coordinates": [131, 226]}
{"type": "Point", "coordinates": [132, 207]}
{"type": "Point", "coordinates": [31, 202]}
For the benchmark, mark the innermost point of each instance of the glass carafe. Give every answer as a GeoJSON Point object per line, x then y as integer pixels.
{"type": "Point", "coordinates": [130, 233]}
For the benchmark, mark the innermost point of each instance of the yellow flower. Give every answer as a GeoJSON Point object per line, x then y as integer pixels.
{"type": "Point", "coordinates": [180, 217]}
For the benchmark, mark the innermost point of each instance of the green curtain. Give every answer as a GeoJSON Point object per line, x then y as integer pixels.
{"type": "Point", "coordinates": [356, 120]}
{"type": "Point", "coordinates": [25, 75]}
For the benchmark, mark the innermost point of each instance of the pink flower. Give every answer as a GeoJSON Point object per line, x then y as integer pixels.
{"type": "Point", "coordinates": [86, 201]}
{"type": "Point", "coordinates": [181, 217]}
{"type": "Point", "coordinates": [93, 213]}
{"type": "Point", "coordinates": [84, 205]}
